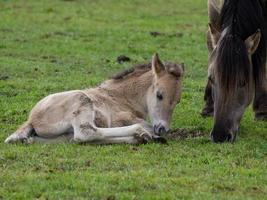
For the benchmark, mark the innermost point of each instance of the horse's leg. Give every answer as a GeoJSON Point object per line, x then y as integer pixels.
{"type": "Point", "coordinates": [259, 60]}
{"type": "Point", "coordinates": [260, 102]}
{"type": "Point", "coordinates": [209, 104]}
{"type": "Point", "coordinates": [214, 9]}
{"type": "Point", "coordinates": [208, 109]}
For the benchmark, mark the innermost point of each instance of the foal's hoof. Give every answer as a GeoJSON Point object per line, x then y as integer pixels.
{"type": "Point", "coordinates": [159, 139]}
{"type": "Point", "coordinates": [261, 116]}
{"type": "Point", "coordinates": [143, 139]}
{"type": "Point", "coordinates": [142, 136]}
{"type": "Point", "coordinates": [18, 139]}
{"type": "Point", "coordinates": [207, 112]}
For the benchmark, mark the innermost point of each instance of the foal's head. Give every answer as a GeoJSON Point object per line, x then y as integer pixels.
{"type": "Point", "coordinates": [164, 93]}
{"type": "Point", "coordinates": [231, 75]}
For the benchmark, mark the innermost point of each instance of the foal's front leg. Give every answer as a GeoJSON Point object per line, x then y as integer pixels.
{"type": "Point", "coordinates": [85, 130]}
{"type": "Point", "coordinates": [132, 134]}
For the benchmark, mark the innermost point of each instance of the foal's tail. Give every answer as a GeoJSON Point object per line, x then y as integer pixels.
{"type": "Point", "coordinates": [22, 135]}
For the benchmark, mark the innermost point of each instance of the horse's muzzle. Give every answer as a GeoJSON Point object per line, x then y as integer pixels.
{"type": "Point", "coordinates": [223, 137]}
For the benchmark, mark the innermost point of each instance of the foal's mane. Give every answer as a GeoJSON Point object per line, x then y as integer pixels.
{"type": "Point", "coordinates": [140, 69]}
{"type": "Point", "coordinates": [137, 69]}
{"type": "Point", "coordinates": [238, 20]}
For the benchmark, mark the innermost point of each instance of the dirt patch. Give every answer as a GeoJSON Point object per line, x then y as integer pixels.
{"type": "Point", "coordinates": [8, 93]}
{"type": "Point", "coordinates": [184, 134]}
{"type": "Point", "coordinates": [51, 59]}
{"type": "Point", "coordinates": [4, 77]}
{"type": "Point", "coordinates": [170, 35]}
{"type": "Point", "coordinates": [6, 30]}
{"type": "Point", "coordinates": [57, 33]}
{"type": "Point", "coordinates": [67, 18]}
{"type": "Point", "coordinates": [156, 33]}
{"type": "Point", "coordinates": [123, 58]}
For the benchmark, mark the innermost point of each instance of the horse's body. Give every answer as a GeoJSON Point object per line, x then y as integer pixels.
{"type": "Point", "coordinates": [114, 112]}
{"type": "Point", "coordinates": [237, 41]}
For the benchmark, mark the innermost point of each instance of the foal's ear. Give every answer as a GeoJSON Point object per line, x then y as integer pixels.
{"type": "Point", "coordinates": [157, 65]}
{"type": "Point", "coordinates": [252, 42]}
{"type": "Point", "coordinates": [177, 70]}
{"type": "Point", "coordinates": [214, 35]}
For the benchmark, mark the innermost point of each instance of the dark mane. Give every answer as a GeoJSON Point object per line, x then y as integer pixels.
{"type": "Point", "coordinates": [233, 65]}
{"type": "Point", "coordinates": [140, 69]}
{"type": "Point", "coordinates": [238, 20]}
{"type": "Point", "coordinates": [174, 69]}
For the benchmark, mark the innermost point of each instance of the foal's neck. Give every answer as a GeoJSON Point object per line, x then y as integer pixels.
{"type": "Point", "coordinates": [133, 90]}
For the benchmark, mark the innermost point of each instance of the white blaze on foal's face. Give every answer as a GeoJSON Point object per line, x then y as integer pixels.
{"type": "Point", "coordinates": [164, 94]}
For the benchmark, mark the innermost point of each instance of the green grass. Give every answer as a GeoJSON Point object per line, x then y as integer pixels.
{"type": "Point", "coordinates": [55, 45]}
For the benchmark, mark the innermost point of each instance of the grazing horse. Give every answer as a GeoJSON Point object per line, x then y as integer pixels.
{"type": "Point", "coordinates": [114, 112]}
{"type": "Point", "coordinates": [236, 40]}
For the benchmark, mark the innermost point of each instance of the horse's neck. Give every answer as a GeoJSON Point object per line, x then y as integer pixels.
{"type": "Point", "coordinates": [133, 90]}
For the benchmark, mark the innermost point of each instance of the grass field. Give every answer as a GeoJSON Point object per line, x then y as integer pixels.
{"type": "Point", "coordinates": [54, 45]}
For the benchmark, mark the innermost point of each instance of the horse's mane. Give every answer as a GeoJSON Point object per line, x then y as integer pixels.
{"type": "Point", "coordinates": [238, 20]}
{"type": "Point", "coordinates": [233, 66]}
{"type": "Point", "coordinates": [137, 69]}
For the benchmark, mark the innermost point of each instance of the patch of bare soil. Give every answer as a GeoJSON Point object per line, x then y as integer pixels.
{"type": "Point", "coordinates": [123, 58]}
{"type": "Point", "coordinates": [184, 134]}
{"type": "Point", "coordinates": [156, 34]}
{"type": "Point", "coordinates": [4, 77]}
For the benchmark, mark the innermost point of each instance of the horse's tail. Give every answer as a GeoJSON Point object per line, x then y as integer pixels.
{"type": "Point", "coordinates": [22, 134]}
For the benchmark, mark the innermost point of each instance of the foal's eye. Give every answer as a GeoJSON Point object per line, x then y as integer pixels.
{"type": "Point", "coordinates": [159, 96]}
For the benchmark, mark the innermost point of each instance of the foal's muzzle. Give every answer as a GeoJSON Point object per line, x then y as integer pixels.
{"type": "Point", "coordinates": [160, 129]}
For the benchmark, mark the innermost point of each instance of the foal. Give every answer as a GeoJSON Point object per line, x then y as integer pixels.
{"type": "Point", "coordinates": [114, 112]}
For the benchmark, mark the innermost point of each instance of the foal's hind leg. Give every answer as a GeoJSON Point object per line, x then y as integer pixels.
{"type": "Point", "coordinates": [21, 135]}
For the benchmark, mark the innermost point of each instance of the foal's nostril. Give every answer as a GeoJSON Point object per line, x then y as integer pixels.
{"type": "Point", "coordinates": [155, 129]}
{"type": "Point", "coordinates": [162, 130]}
{"type": "Point", "coordinates": [159, 129]}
